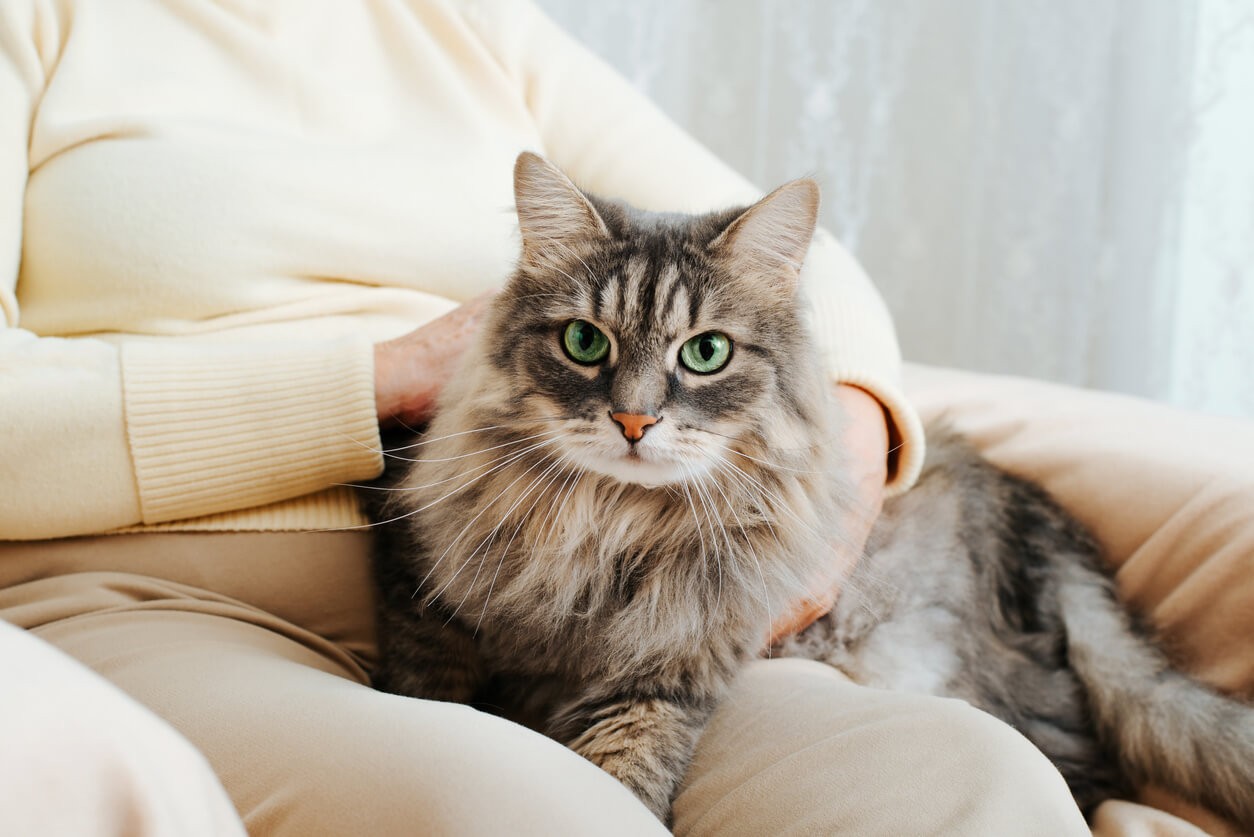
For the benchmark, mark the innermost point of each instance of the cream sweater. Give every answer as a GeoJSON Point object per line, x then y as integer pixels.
{"type": "Point", "coordinates": [210, 210]}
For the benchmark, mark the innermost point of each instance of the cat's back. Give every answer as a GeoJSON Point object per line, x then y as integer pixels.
{"type": "Point", "coordinates": [959, 596]}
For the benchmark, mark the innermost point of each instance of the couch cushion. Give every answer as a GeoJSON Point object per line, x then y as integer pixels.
{"type": "Point", "coordinates": [1168, 493]}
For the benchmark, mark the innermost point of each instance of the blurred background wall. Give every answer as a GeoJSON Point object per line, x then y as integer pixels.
{"type": "Point", "coordinates": [1055, 188]}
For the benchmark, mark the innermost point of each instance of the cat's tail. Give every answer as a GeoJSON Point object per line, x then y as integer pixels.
{"type": "Point", "coordinates": [1163, 726]}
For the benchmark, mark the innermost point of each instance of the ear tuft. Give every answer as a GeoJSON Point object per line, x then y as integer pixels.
{"type": "Point", "coordinates": [771, 238]}
{"type": "Point", "coordinates": [551, 210]}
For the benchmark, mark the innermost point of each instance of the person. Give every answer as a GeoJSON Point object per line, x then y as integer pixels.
{"type": "Point", "coordinates": [238, 238]}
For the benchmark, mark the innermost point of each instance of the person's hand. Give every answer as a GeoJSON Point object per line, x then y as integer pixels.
{"type": "Point", "coordinates": [410, 370]}
{"type": "Point", "coordinates": [865, 443]}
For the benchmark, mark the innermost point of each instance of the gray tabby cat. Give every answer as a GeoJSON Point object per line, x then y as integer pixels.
{"type": "Point", "coordinates": [636, 471]}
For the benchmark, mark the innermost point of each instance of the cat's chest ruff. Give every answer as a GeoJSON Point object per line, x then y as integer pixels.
{"type": "Point", "coordinates": [616, 572]}
{"type": "Point", "coordinates": [619, 572]}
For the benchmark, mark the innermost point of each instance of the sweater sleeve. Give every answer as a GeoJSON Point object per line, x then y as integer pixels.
{"type": "Point", "coordinates": [612, 140]}
{"type": "Point", "coordinates": [94, 436]}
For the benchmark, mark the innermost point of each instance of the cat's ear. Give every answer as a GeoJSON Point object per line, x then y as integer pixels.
{"type": "Point", "coordinates": [552, 212]}
{"type": "Point", "coordinates": [769, 240]}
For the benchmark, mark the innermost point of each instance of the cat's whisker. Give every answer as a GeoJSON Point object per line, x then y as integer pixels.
{"type": "Point", "coordinates": [711, 517]}
{"type": "Point", "coordinates": [412, 488]}
{"type": "Point", "coordinates": [427, 440]}
{"type": "Point", "coordinates": [724, 467]}
{"type": "Point", "coordinates": [783, 505]}
{"type": "Point", "coordinates": [802, 450]}
{"type": "Point", "coordinates": [700, 529]}
{"type": "Point", "coordinates": [854, 581]}
{"type": "Point", "coordinates": [510, 443]}
{"type": "Point", "coordinates": [487, 598]}
{"type": "Point", "coordinates": [490, 538]}
{"type": "Point", "coordinates": [773, 465]}
{"type": "Point", "coordinates": [390, 452]}
{"type": "Point", "coordinates": [758, 486]}
{"type": "Point", "coordinates": [482, 511]}
{"type": "Point", "coordinates": [361, 444]}
{"type": "Point", "coordinates": [503, 462]}
{"type": "Point", "coordinates": [707, 500]}
{"type": "Point", "coordinates": [718, 560]}
{"type": "Point", "coordinates": [766, 596]}
{"type": "Point", "coordinates": [500, 462]}
{"type": "Point", "coordinates": [572, 480]}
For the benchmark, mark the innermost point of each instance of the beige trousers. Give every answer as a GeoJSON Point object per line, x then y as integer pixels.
{"type": "Point", "coordinates": [257, 648]}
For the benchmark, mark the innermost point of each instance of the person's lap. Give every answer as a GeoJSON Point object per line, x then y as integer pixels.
{"type": "Point", "coordinates": [797, 748]}
{"type": "Point", "coordinates": [303, 745]}
{"type": "Point", "coordinates": [77, 756]}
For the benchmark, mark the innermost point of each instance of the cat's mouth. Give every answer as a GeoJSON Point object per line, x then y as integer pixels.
{"type": "Point", "coordinates": [637, 465]}
{"type": "Point", "coordinates": [637, 470]}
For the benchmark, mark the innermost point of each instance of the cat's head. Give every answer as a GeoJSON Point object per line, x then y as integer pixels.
{"type": "Point", "coordinates": [653, 348]}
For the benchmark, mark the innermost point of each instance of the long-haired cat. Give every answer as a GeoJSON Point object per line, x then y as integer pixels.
{"type": "Point", "coordinates": [636, 470]}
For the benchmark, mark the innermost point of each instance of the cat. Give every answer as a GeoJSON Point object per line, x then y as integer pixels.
{"type": "Point", "coordinates": [635, 471]}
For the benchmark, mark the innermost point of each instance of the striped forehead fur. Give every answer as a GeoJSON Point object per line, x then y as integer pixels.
{"type": "Point", "coordinates": [651, 269]}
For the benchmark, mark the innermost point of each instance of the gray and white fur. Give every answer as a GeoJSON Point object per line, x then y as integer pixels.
{"type": "Point", "coordinates": [977, 585]}
{"type": "Point", "coordinates": [595, 543]}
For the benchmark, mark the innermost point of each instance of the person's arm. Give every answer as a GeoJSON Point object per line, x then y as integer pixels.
{"type": "Point", "coordinates": [611, 140]}
{"type": "Point", "coordinates": [97, 437]}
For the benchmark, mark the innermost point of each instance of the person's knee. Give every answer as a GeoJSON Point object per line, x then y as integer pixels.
{"type": "Point", "coordinates": [82, 757]}
{"type": "Point", "coordinates": [305, 749]}
{"type": "Point", "coordinates": [966, 758]}
{"type": "Point", "coordinates": [400, 766]}
{"type": "Point", "coordinates": [796, 748]}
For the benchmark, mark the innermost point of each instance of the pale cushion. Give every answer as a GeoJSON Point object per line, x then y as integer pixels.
{"type": "Point", "coordinates": [1168, 493]}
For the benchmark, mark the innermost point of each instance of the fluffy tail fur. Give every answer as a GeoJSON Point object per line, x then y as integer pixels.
{"type": "Point", "coordinates": [1162, 726]}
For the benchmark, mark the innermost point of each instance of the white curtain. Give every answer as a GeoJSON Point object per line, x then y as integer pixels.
{"type": "Point", "coordinates": [1055, 188]}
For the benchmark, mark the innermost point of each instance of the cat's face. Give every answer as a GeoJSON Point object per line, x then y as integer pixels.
{"type": "Point", "coordinates": [654, 349]}
{"type": "Point", "coordinates": [654, 374]}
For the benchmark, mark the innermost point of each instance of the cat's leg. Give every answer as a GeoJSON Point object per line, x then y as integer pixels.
{"type": "Point", "coordinates": [644, 739]}
{"type": "Point", "coordinates": [425, 654]}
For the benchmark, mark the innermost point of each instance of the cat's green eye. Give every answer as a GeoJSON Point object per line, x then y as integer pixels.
{"type": "Point", "coordinates": [706, 353]}
{"type": "Point", "coordinates": [584, 342]}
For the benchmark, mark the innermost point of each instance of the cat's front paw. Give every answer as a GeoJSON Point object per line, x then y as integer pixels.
{"type": "Point", "coordinates": [644, 743]}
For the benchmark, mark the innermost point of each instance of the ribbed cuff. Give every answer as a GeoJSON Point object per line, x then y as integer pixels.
{"type": "Point", "coordinates": [905, 434]}
{"type": "Point", "coordinates": [216, 427]}
{"type": "Point", "coordinates": [855, 333]}
{"type": "Point", "coordinates": [330, 510]}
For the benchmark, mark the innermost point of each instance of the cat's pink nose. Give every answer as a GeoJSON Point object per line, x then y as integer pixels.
{"type": "Point", "coordinates": [634, 425]}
